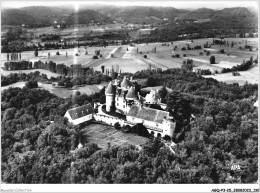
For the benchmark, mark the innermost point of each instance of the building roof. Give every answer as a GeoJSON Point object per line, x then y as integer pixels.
{"type": "Point", "coordinates": [110, 89]}
{"type": "Point", "coordinates": [81, 111]}
{"type": "Point", "coordinates": [126, 83]}
{"type": "Point", "coordinates": [131, 94]}
{"type": "Point", "coordinates": [148, 114]}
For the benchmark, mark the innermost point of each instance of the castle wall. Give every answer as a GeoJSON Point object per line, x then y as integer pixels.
{"type": "Point", "coordinates": [111, 120]}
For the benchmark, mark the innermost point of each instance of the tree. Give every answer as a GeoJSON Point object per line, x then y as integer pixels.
{"type": "Point", "coordinates": [151, 81]}
{"type": "Point", "coordinates": [103, 69]}
{"type": "Point", "coordinates": [31, 84]}
{"type": "Point", "coordinates": [117, 126]}
{"type": "Point", "coordinates": [212, 59]}
{"type": "Point", "coordinates": [36, 53]}
{"type": "Point", "coordinates": [163, 93]}
{"type": "Point", "coordinates": [126, 128]}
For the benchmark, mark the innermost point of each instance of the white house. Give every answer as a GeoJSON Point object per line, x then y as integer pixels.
{"type": "Point", "coordinates": [80, 114]}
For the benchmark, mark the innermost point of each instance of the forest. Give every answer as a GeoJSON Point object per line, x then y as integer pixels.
{"type": "Point", "coordinates": [39, 145]}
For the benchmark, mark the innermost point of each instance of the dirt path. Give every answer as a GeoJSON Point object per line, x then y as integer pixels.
{"type": "Point", "coordinates": [128, 53]}
{"type": "Point", "coordinates": [112, 52]}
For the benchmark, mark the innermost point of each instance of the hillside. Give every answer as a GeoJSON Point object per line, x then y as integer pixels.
{"type": "Point", "coordinates": [34, 16]}
{"type": "Point", "coordinates": [237, 17]}
{"type": "Point", "coordinates": [48, 13]}
{"type": "Point", "coordinates": [16, 17]}
{"type": "Point", "coordinates": [137, 14]}
{"type": "Point", "coordinates": [86, 17]}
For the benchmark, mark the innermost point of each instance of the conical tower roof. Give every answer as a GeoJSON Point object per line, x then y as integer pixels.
{"type": "Point", "coordinates": [126, 83]}
{"type": "Point", "coordinates": [110, 90]}
{"type": "Point", "coordinates": [131, 94]}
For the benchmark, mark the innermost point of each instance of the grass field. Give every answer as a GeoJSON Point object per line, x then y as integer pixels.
{"type": "Point", "coordinates": [62, 92]}
{"type": "Point", "coordinates": [129, 60]}
{"type": "Point", "coordinates": [102, 134]}
{"type": "Point", "coordinates": [250, 76]}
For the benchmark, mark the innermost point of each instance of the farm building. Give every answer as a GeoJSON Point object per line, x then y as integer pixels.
{"type": "Point", "coordinates": [80, 114]}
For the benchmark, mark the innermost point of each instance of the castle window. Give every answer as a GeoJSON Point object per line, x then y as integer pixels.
{"type": "Point", "coordinates": [117, 104]}
{"type": "Point", "coordinates": [123, 106]}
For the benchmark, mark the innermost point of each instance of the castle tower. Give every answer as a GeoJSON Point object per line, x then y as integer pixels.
{"type": "Point", "coordinates": [110, 97]}
{"type": "Point", "coordinates": [126, 83]}
{"type": "Point", "coordinates": [131, 94]}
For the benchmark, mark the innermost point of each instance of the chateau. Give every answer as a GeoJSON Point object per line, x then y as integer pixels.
{"type": "Point", "coordinates": [122, 99]}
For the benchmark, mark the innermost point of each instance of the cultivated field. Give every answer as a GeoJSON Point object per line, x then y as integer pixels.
{"type": "Point", "coordinates": [102, 134]}
{"type": "Point", "coordinates": [129, 60]}
{"type": "Point", "coordinates": [71, 30]}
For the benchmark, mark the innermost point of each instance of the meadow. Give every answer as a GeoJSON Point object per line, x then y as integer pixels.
{"type": "Point", "coordinates": [129, 60]}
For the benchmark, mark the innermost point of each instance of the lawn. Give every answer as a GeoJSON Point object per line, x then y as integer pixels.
{"type": "Point", "coordinates": [102, 134]}
{"type": "Point", "coordinates": [62, 92]}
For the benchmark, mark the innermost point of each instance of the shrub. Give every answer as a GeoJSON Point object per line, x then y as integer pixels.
{"type": "Point", "coordinates": [184, 55]}
{"type": "Point", "coordinates": [57, 53]}
{"type": "Point", "coordinates": [222, 51]}
{"type": "Point", "coordinates": [31, 84]}
{"type": "Point", "coordinates": [117, 126]}
{"type": "Point", "coordinates": [212, 59]}
{"type": "Point", "coordinates": [167, 138]}
{"type": "Point", "coordinates": [126, 129]}
{"type": "Point", "coordinates": [95, 57]}
{"type": "Point", "coordinates": [145, 56]}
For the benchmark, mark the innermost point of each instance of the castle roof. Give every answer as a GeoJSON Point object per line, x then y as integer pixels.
{"type": "Point", "coordinates": [81, 111]}
{"type": "Point", "coordinates": [126, 83]}
{"type": "Point", "coordinates": [131, 94]}
{"type": "Point", "coordinates": [148, 114]}
{"type": "Point", "coordinates": [110, 89]}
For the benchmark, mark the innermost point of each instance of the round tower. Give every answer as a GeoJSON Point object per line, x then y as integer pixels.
{"type": "Point", "coordinates": [110, 97]}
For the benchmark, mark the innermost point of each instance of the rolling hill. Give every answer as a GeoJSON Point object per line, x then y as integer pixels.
{"type": "Point", "coordinates": [238, 17]}
{"type": "Point", "coordinates": [86, 17]}
{"type": "Point", "coordinates": [16, 17]}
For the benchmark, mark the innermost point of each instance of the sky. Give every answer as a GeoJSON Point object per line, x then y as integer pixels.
{"type": "Point", "coordinates": [163, 3]}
